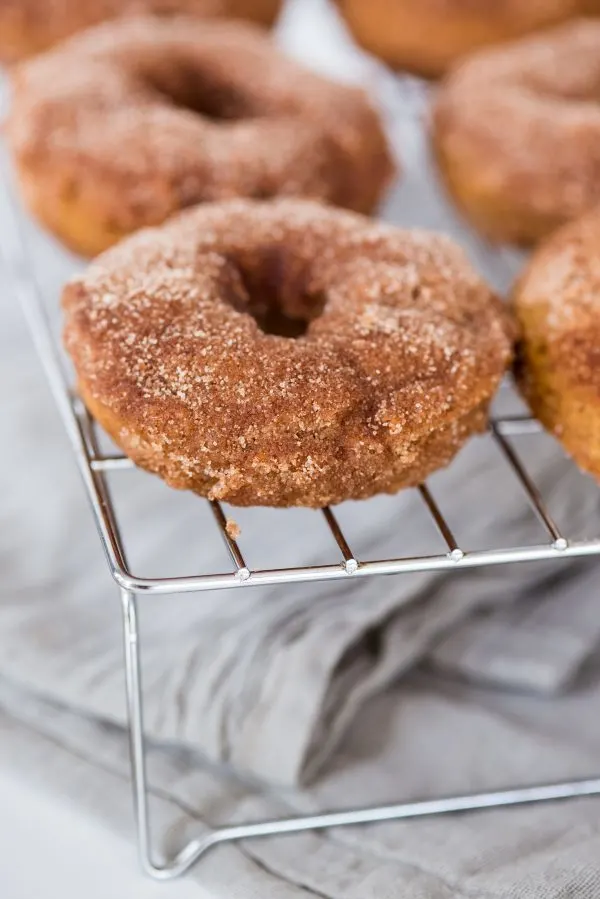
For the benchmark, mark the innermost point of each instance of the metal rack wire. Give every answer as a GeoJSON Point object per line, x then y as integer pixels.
{"type": "Point", "coordinates": [94, 465]}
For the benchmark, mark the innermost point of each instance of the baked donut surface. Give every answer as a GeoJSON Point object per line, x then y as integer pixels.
{"type": "Point", "coordinates": [516, 131]}
{"type": "Point", "coordinates": [286, 353]}
{"type": "Point", "coordinates": [429, 36]}
{"type": "Point", "coordinates": [30, 26]}
{"type": "Point", "coordinates": [131, 121]}
{"type": "Point", "coordinates": [557, 303]}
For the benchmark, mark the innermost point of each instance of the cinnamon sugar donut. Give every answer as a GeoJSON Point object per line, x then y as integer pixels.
{"type": "Point", "coordinates": [30, 26]}
{"type": "Point", "coordinates": [133, 120]}
{"type": "Point", "coordinates": [517, 133]}
{"type": "Point", "coordinates": [286, 353]}
{"type": "Point", "coordinates": [429, 36]}
{"type": "Point", "coordinates": [557, 302]}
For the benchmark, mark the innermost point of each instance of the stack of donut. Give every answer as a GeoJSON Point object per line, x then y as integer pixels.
{"type": "Point", "coordinates": [516, 131]}
{"type": "Point", "coordinates": [264, 347]}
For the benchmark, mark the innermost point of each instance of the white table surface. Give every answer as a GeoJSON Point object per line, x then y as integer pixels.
{"type": "Point", "coordinates": [52, 852]}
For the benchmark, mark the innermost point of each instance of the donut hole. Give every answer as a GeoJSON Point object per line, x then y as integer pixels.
{"type": "Point", "coordinates": [200, 92]}
{"type": "Point", "coordinates": [277, 295]}
{"type": "Point", "coordinates": [274, 321]}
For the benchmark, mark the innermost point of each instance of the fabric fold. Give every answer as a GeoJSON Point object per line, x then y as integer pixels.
{"type": "Point", "coordinates": [270, 680]}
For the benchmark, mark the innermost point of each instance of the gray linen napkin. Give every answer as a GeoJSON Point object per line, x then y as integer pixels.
{"type": "Point", "coordinates": [426, 737]}
{"type": "Point", "coordinates": [229, 672]}
{"type": "Point", "coordinates": [269, 681]}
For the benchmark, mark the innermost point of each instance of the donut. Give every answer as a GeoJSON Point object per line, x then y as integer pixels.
{"type": "Point", "coordinates": [428, 37]}
{"type": "Point", "coordinates": [166, 114]}
{"type": "Point", "coordinates": [286, 353]}
{"type": "Point", "coordinates": [516, 131]}
{"type": "Point", "coordinates": [557, 304]}
{"type": "Point", "coordinates": [30, 26]}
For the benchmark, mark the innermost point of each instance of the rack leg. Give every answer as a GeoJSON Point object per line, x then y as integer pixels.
{"type": "Point", "coordinates": [136, 727]}
{"type": "Point", "coordinates": [137, 749]}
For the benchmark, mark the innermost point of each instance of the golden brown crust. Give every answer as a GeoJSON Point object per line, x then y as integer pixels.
{"type": "Point", "coordinates": [175, 339]}
{"type": "Point", "coordinates": [31, 26]}
{"type": "Point", "coordinates": [516, 131]}
{"type": "Point", "coordinates": [163, 115]}
{"type": "Point", "coordinates": [557, 303]}
{"type": "Point", "coordinates": [429, 36]}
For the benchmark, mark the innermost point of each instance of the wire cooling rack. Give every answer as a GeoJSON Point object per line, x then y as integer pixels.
{"type": "Point", "coordinates": [94, 466]}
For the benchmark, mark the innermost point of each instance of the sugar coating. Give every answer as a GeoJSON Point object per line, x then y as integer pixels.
{"type": "Point", "coordinates": [403, 348]}
{"type": "Point", "coordinates": [522, 124]}
{"type": "Point", "coordinates": [141, 117]}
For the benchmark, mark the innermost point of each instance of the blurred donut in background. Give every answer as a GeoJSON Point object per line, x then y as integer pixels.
{"type": "Point", "coordinates": [516, 132]}
{"type": "Point", "coordinates": [164, 114]}
{"type": "Point", "coordinates": [428, 36]}
{"type": "Point", "coordinates": [29, 26]}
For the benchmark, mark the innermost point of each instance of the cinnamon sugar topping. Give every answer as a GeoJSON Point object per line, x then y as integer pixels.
{"type": "Point", "coordinates": [397, 349]}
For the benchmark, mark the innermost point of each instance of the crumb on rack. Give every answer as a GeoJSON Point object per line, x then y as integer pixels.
{"type": "Point", "coordinates": [233, 529]}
